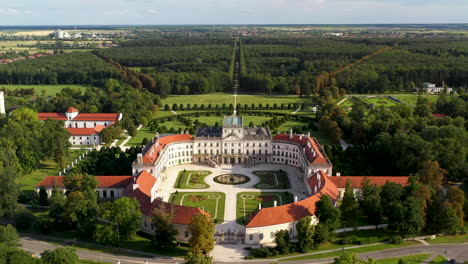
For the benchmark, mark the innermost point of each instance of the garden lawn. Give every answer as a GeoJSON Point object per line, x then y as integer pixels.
{"type": "Point", "coordinates": [210, 202]}
{"type": "Point", "coordinates": [410, 259]}
{"type": "Point", "coordinates": [358, 250]}
{"type": "Point", "coordinates": [411, 99]}
{"type": "Point", "coordinates": [50, 90]}
{"type": "Point", "coordinates": [137, 140]}
{"type": "Point", "coordinates": [379, 101]}
{"type": "Point", "coordinates": [439, 260]}
{"type": "Point", "coordinates": [449, 239]}
{"type": "Point", "coordinates": [228, 98]}
{"type": "Point", "coordinates": [46, 167]}
{"type": "Point", "coordinates": [272, 180]}
{"type": "Point", "coordinates": [247, 203]}
{"type": "Point", "coordinates": [291, 124]}
{"type": "Point", "coordinates": [192, 180]}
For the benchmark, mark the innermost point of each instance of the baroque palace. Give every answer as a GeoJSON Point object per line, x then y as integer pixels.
{"type": "Point", "coordinates": [231, 144]}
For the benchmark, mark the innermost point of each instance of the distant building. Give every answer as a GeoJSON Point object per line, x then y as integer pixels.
{"type": "Point", "coordinates": [84, 128]}
{"type": "Point", "coordinates": [60, 34]}
{"type": "Point", "coordinates": [432, 89]}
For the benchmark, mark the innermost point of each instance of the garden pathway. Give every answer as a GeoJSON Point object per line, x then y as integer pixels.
{"type": "Point", "coordinates": [170, 176]}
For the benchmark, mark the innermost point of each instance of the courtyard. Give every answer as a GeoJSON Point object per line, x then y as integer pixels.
{"type": "Point", "coordinates": [231, 204]}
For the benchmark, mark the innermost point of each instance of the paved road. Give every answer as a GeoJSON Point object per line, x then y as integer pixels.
{"type": "Point", "coordinates": [457, 251]}
{"type": "Point", "coordinates": [36, 247]}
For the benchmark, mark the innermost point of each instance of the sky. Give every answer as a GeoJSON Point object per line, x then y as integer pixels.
{"type": "Point", "coordinates": [170, 12]}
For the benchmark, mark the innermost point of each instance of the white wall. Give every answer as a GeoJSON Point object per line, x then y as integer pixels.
{"type": "Point", "coordinates": [266, 234]}
{"type": "Point", "coordinates": [86, 140]}
{"type": "Point", "coordinates": [86, 124]}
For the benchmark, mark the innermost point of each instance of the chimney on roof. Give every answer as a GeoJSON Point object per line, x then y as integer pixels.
{"type": "Point", "coordinates": [135, 186]}
{"type": "Point", "coordinates": [338, 174]}
{"type": "Point", "coordinates": [139, 158]}
{"type": "Point", "coordinates": [260, 206]}
{"type": "Point", "coordinates": [290, 133]}
{"type": "Point", "coordinates": [157, 134]}
{"type": "Point", "coordinates": [2, 103]}
{"type": "Point", "coordinates": [295, 199]}
{"type": "Point", "coordinates": [275, 203]}
{"type": "Point", "coordinates": [300, 137]}
{"type": "Point", "coordinates": [308, 134]}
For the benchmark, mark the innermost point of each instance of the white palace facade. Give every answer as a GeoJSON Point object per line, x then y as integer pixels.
{"type": "Point", "coordinates": [233, 143]}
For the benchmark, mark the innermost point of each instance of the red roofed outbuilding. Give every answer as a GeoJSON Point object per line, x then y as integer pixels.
{"type": "Point", "coordinates": [109, 187]}
{"type": "Point", "coordinates": [84, 128]}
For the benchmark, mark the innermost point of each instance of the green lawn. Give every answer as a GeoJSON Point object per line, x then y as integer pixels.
{"type": "Point", "coordinates": [291, 124]}
{"type": "Point", "coordinates": [438, 260]}
{"type": "Point", "coordinates": [247, 203]}
{"type": "Point", "coordinates": [449, 239]}
{"type": "Point", "coordinates": [192, 180]}
{"type": "Point", "coordinates": [413, 98]}
{"type": "Point", "coordinates": [46, 167]}
{"type": "Point", "coordinates": [358, 250]}
{"type": "Point", "coordinates": [411, 259]}
{"type": "Point", "coordinates": [138, 243]}
{"type": "Point", "coordinates": [210, 202]}
{"type": "Point", "coordinates": [137, 140]}
{"type": "Point", "coordinates": [379, 101]}
{"type": "Point", "coordinates": [50, 90]}
{"type": "Point", "coordinates": [228, 98]}
{"type": "Point", "coordinates": [272, 180]}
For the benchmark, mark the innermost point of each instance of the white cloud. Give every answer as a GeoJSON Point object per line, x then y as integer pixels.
{"type": "Point", "coordinates": [28, 12]}
{"type": "Point", "coordinates": [9, 11]}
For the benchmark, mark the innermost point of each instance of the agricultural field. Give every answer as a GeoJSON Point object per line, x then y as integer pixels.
{"type": "Point", "coordinates": [46, 90]}
{"type": "Point", "coordinates": [192, 180]}
{"type": "Point", "coordinates": [272, 180]}
{"type": "Point", "coordinates": [210, 202]}
{"type": "Point", "coordinates": [29, 46]}
{"type": "Point", "coordinates": [247, 203]}
{"type": "Point", "coordinates": [228, 98]}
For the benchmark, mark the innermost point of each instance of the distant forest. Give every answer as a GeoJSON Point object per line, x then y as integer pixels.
{"type": "Point", "coordinates": [302, 66]}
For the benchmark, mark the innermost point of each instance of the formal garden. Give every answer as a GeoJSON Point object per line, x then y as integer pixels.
{"type": "Point", "coordinates": [192, 180]}
{"type": "Point", "coordinates": [272, 180]}
{"type": "Point", "coordinates": [248, 203]}
{"type": "Point", "coordinates": [210, 202]}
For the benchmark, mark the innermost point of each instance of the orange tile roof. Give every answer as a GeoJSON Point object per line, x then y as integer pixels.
{"type": "Point", "coordinates": [81, 131]}
{"type": "Point", "coordinates": [152, 153]}
{"type": "Point", "coordinates": [319, 158]}
{"type": "Point", "coordinates": [145, 182]}
{"type": "Point", "coordinates": [103, 181]}
{"type": "Point", "coordinates": [112, 117]}
{"type": "Point", "coordinates": [294, 211]}
{"type": "Point", "coordinates": [109, 117]}
{"type": "Point", "coordinates": [182, 214]}
{"type": "Point", "coordinates": [45, 116]}
{"type": "Point", "coordinates": [356, 181]}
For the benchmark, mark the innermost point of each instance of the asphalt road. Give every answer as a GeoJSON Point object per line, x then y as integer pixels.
{"type": "Point", "coordinates": [456, 251]}
{"type": "Point", "coordinates": [36, 247]}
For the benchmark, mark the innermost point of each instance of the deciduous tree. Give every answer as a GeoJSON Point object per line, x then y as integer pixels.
{"type": "Point", "coordinates": [201, 231]}
{"type": "Point", "coordinates": [164, 231]}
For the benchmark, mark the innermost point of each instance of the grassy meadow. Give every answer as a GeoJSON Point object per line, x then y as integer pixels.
{"type": "Point", "coordinates": [47, 90]}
